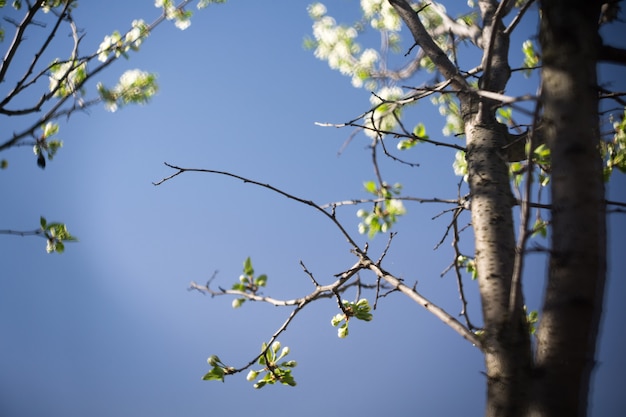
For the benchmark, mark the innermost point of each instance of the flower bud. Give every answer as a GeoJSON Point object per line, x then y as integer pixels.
{"type": "Point", "coordinates": [252, 375]}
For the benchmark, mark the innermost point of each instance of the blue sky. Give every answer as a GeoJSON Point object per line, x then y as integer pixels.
{"type": "Point", "coordinates": [109, 328]}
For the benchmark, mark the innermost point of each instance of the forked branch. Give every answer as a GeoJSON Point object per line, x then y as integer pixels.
{"type": "Point", "coordinates": [364, 263]}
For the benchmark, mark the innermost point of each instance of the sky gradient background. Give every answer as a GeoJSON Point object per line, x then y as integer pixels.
{"type": "Point", "coordinates": [109, 328]}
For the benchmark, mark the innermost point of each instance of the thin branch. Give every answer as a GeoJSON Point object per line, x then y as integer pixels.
{"type": "Point", "coordinates": [309, 203]}
{"type": "Point", "coordinates": [459, 278]}
{"type": "Point", "coordinates": [38, 232]}
{"type": "Point", "coordinates": [518, 17]}
{"type": "Point", "coordinates": [426, 42]}
{"type": "Point", "coordinates": [17, 39]}
{"type": "Point", "coordinates": [328, 290]}
{"type": "Point", "coordinates": [518, 264]}
{"type": "Point", "coordinates": [392, 133]}
{"type": "Point", "coordinates": [380, 200]}
{"type": "Point", "coordinates": [20, 84]}
{"type": "Point", "coordinates": [55, 111]}
{"type": "Point", "coordinates": [423, 301]}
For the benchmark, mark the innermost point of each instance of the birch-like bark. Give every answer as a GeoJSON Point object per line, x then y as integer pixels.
{"type": "Point", "coordinates": [505, 342]}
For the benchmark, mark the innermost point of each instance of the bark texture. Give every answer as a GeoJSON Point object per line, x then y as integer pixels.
{"type": "Point", "coordinates": [555, 381]}
{"type": "Point", "coordinates": [566, 339]}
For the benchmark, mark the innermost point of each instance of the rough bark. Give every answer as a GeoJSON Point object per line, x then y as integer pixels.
{"type": "Point", "coordinates": [566, 338]}
{"type": "Point", "coordinates": [505, 341]}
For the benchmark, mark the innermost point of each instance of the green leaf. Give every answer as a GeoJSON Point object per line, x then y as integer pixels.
{"type": "Point", "coordinates": [247, 267]}
{"type": "Point", "coordinates": [420, 131]}
{"type": "Point", "coordinates": [215, 374]}
{"type": "Point", "coordinates": [42, 222]}
{"type": "Point", "coordinates": [261, 280]}
{"type": "Point", "coordinates": [59, 247]}
{"type": "Point", "coordinates": [370, 187]}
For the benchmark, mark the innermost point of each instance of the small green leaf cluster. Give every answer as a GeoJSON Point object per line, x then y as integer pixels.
{"type": "Point", "coordinates": [272, 370]}
{"type": "Point", "coordinates": [531, 57]}
{"type": "Point", "coordinates": [469, 264]}
{"type": "Point", "coordinates": [134, 87]}
{"type": "Point", "coordinates": [56, 234]}
{"type": "Point", "coordinates": [385, 214]}
{"type": "Point", "coordinates": [614, 152]}
{"type": "Point", "coordinates": [360, 310]}
{"type": "Point", "coordinates": [48, 5]}
{"type": "Point", "coordinates": [540, 227]}
{"type": "Point", "coordinates": [66, 77]}
{"type": "Point", "coordinates": [541, 158]}
{"type": "Point", "coordinates": [419, 134]}
{"type": "Point", "coordinates": [248, 283]}
{"type": "Point", "coordinates": [386, 113]}
{"type": "Point", "coordinates": [218, 371]}
{"type": "Point", "coordinates": [531, 319]}
{"type": "Point", "coordinates": [504, 115]}
{"type": "Point", "coordinates": [46, 145]}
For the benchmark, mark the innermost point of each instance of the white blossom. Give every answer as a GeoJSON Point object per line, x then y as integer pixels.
{"type": "Point", "coordinates": [316, 10]}
{"type": "Point", "coordinates": [368, 58]}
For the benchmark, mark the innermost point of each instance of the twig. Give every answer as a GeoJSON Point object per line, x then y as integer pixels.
{"type": "Point", "coordinates": [309, 203]}
{"type": "Point", "coordinates": [518, 264]}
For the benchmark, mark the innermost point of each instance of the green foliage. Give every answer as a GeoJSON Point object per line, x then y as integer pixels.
{"type": "Point", "coordinates": [385, 213]}
{"type": "Point", "coordinates": [386, 113]}
{"type": "Point", "coordinates": [469, 264]}
{"type": "Point", "coordinates": [419, 134]}
{"type": "Point", "coordinates": [531, 57]}
{"type": "Point", "coordinates": [504, 115]}
{"type": "Point", "coordinates": [119, 46]}
{"type": "Point", "coordinates": [449, 107]}
{"type": "Point", "coordinates": [134, 86]}
{"type": "Point", "coordinates": [540, 227]}
{"type": "Point", "coordinates": [541, 161]}
{"type": "Point", "coordinates": [56, 234]}
{"type": "Point", "coordinates": [66, 77]}
{"type": "Point", "coordinates": [336, 43]}
{"type": "Point", "coordinates": [273, 371]}
{"type": "Point", "coordinates": [218, 371]}
{"type": "Point", "coordinates": [614, 151]}
{"type": "Point", "coordinates": [460, 165]}
{"type": "Point", "coordinates": [46, 145]}
{"type": "Point", "coordinates": [248, 283]}
{"type": "Point", "coordinates": [360, 310]}
{"type": "Point", "coordinates": [531, 319]}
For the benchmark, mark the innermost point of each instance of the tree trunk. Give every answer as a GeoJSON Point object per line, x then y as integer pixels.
{"type": "Point", "coordinates": [506, 342]}
{"type": "Point", "coordinates": [556, 382]}
{"type": "Point", "coordinates": [566, 338]}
